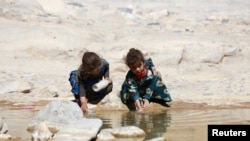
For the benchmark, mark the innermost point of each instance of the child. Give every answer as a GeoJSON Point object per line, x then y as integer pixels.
{"type": "Point", "coordinates": [143, 83]}
{"type": "Point", "coordinates": [92, 70]}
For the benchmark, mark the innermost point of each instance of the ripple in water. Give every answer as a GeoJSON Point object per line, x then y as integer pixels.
{"type": "Point", "coordinates": [174, 125]}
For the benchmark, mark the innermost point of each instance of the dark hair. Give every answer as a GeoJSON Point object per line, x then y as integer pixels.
{"type": "Point", "coordinates": [90, 61]}
{"type": "Point", "coordinates": [133, 56]}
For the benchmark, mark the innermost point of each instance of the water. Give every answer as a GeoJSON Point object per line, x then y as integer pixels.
{"type": "Point", "coordinates": [177, 125]}
{"type": "Point", "coordinates": [172, 124]}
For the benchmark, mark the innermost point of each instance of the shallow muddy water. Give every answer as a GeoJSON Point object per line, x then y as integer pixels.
{"type": "Point", "coordinates": [173, 124]}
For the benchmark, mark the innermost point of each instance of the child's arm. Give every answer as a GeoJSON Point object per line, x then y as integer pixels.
{"type": "Point", "coordinates": [83, 99]}
{"type": "Point", "coordinates": [105, 66]}
{"type": "Point", "coordinates": [151, 67]}
{"type": "Point", "coordinates": [156, 72]}
{"type": "Point", "coordinates": [106, 74]}
{"type": "Point", "coordinates": [138, 106]}
{"type": "Point", "coordinates": [84, 103]}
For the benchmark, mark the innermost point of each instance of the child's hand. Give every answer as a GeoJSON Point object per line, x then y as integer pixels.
{"type": "Point", "coordinates": [138, 106]}
{"type": "Point", "coordinates": [145, 103]}
{"type": "Point", "coordinates": [109, 79]}
{"type": "Point", "coordinates": [156, 72]}
{"type": "Point", "coordinates": [84, 107]}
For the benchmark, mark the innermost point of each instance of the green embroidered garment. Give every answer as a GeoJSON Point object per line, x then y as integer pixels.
{"type": "Point", "coordinates": [149, 87]}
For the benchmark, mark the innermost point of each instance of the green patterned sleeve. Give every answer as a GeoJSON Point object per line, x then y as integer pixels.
{"type": "Point", "coordinates": [130, 88]}
{"type": "Point", "coordinates": [133, 89]}
{"type": "Point", "coordinates": [150, 64]}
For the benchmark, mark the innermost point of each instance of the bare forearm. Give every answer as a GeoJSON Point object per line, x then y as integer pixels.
{"type": "Point", "coordinates": [84, 103]}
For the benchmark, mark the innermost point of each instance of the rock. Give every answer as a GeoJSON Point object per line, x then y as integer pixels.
{"type": "Point", "coordinates": [3, 131]}
{"type": "Point", "coordinates": [48, 91]}
{"type": "Point", "coordinates": [16, 86]}
{"type": "Point", "coordinates": [3, 127]}
{"type": "Point", "coordinates": [128, 131]}
{"type": "Point", "coordinates": [65, 119]}
{"type": "Point", "coordinates": [157, 139]}
{"type": "Point", "coordinates": [41, 131]}
{"type": "Point", "coordinates": [105, 135]}
{"type": "Point", "coordinates": [1, 123]}
{"type": "Point", "coordinates": [61, 112]}
{"type": "Point", "coordinates": [5, 137]}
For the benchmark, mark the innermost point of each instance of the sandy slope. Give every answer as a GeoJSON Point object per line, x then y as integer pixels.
{"type": "Point", "coordinates": [201, 47]}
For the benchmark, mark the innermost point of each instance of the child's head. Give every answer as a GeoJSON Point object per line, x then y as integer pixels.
{"type": "Point", "coordinates": [91, 63]}
{"type": "Point", "coordinates": [135, 60]}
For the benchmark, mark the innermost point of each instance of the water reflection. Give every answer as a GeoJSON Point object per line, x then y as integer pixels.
{"type": "Point", "coordinates": [172, 124]}
{"type": "Point", "coordinates": [17, 121]}
{"type": "Point", "coordinates": [177, 125]}
{"type": "Point", "coordinates": [155, 124]}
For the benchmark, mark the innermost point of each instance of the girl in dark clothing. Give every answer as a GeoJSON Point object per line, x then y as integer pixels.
{"type": "Point", "coordinates": [92, 70]}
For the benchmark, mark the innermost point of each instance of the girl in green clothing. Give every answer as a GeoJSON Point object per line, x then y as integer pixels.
{"type": "Point", "coordinates": [143, 83]}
